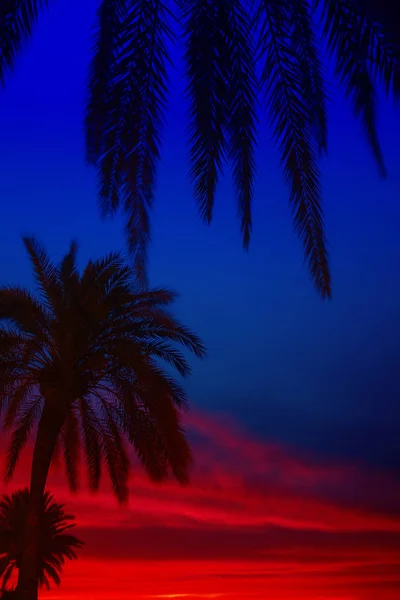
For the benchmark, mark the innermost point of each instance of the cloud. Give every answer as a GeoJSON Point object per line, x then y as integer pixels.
{"type": "Point", "coordinates": [256, 517]}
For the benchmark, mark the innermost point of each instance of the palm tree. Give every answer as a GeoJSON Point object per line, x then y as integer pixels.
{"type": "Point", "coordinates": [56, 543]}
{"type": "Point", "coordinates": [223, 40]}
{"type": "Point", "coordinates": [82, 359]}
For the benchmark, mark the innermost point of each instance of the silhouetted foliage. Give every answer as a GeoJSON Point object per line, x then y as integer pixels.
{"type": "Point", "coordinates": [223, 40]}
{"type": "Point", "coordinates": [82, 359]}
{"type": "Point", "coordinates": [56, 543]}
{"type": "Point", "coordinates": [8, 595]}
{"type": "Point", "coordinates": [384, 12]}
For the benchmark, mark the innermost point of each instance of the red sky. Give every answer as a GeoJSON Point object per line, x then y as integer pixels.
{"type": "Point", "coordinates": [257, 521]}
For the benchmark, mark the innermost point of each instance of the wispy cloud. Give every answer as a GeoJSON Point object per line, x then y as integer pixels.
{"type": "Point", "coordinates": [256, 518]}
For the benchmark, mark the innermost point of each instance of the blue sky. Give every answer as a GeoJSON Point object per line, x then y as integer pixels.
{"type": "Point", "coordinates": [320, 376]}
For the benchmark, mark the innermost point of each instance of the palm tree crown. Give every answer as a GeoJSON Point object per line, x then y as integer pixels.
{"type": "Point", "coordinates": [56, 543]}
{"type": "Point", "coordinates": [83, 358]}
{"type": "Point", "coordinates": [224, 40]}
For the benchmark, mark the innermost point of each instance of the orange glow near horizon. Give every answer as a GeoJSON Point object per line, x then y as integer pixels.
{"type": "Point", "coordinates": [256, 522]}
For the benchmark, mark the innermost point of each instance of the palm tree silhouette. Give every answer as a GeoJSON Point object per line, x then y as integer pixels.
{"type": "Point", "coordinates": [82, 359]}
{"type": "Point", "coordinates": [56, 543]}
{"type": "Point", "coordinates": [223, 39]}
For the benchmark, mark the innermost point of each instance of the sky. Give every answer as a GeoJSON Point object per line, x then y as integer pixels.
{"type": "Point", "coordinates": [295, 413]}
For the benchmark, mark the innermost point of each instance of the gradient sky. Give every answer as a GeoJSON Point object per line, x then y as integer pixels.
{"type": "Point", "coordinates": [296, 409]}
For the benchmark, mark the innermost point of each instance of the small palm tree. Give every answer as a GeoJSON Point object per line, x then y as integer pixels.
{"type": "Point", "coordinates": [222, 42]}
{"type": "Point", "coordinates": [82, 359]}
{"type": "Point", "coordinates": [56, 543]}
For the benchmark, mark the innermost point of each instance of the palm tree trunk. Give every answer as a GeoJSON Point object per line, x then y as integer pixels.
{"type": "Point", "coordinates": [49, 427]}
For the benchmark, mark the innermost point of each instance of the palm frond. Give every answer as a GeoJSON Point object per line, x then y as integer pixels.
{"type": "Point", "coordinates": [142, 433]}
{"type": "Point", "coordinates": [20, 308]}
{"type": "Point", "coordinates": [242, 102]}
{"type": "Point", "coordinates": [166, 419]}
{"type": "Point", "coordinates": [177, 332]}
{"type": "Point", "coordinates": [44, 581]}
{"type": "Point", "coordinates": [145, 435]}
{"type": "Point", "coordinates": [16, 399]}
{"type": "Point", "coordinates": [67, 545]}
{"type": "Point", "coordinates": [206, 59]}
{"type": "Point", "coordinates": [144, 59]}
{"type": "Point", "coordinates": [168, 353]}
{"type": "Point", "coordinates": [18, 19]}
{"type": "Point", "coordinates": [68, 272]}
{"type": "Point", "coordinates": [13, 357]}
{"type": "Point", "coordinates": [282, 79]}
{"type": "Point", "coordinates": [384, 14]}
{"type": "Point", "coordinates": [344, 30]}
{"type": "Point", "coordinates": [383, 55]}
{"type": "Point", "coordinates": [105, 108]}
{"type": "Point", "coordinates": [102, 72]}
{"type": "Point", "coordinates": [8, 574]}
{"type": "Point", "coordinates": [4, 561]}
{"type": "Point", "coordinates": [156, 297]}
{"type": "Point", "coordinates": [91, 441]}
{"type": "Point", "coordinates": [27, 419]}
{"type": "Point", "coordinates": [105, 274]}
{"type": "Point", "coordinates": [45, 274]}
{"type": "Point", "coordinates": [314, 85]}
{"type": "Point", "coordinates": [116, 460]}
{"type": "Point", "coordinates": [113, 446]}
{"type": "Point", "coordinates": [50, 572]}
{"type": "Point", "coordinates": [11, 340]}
{"type": "Point", "coordinates": [158, 323]}
{"type": "Point", "coordinates": [134, 93]}
{"type": "Point", "coordinates": [70, 441]}
{"type": "Point", "coordinates": [162, 400]}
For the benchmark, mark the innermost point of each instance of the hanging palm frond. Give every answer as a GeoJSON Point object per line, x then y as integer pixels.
{"type": "Point", "coordinates": [309, 59]}
{"type": "Point", "coordinates": [70, 441]}
{"type": "Point", "coordinates": [102, 72]}
{"type": "Point", "coordinates": [383, 55]}
{"type": "Point", "coordinates": [125, 111]}
{"type": "Point", "coordinates": [127, 91]}
{"type": "Point", "coordinates": [344, 29]}
{"type": "Point", "coordinates": [18, 18]}
{"type": "Point", "coordinates": [242, 103]}
{"type": "Point", "coordinates": [23, 425]}
{"type": "Point", "coordinates": [205, 60]}
{"type": "Point", "coordinates": [292, 123]}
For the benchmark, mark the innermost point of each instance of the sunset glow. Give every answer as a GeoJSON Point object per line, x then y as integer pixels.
{"type": "Point", "coordinates": [255, 521]}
